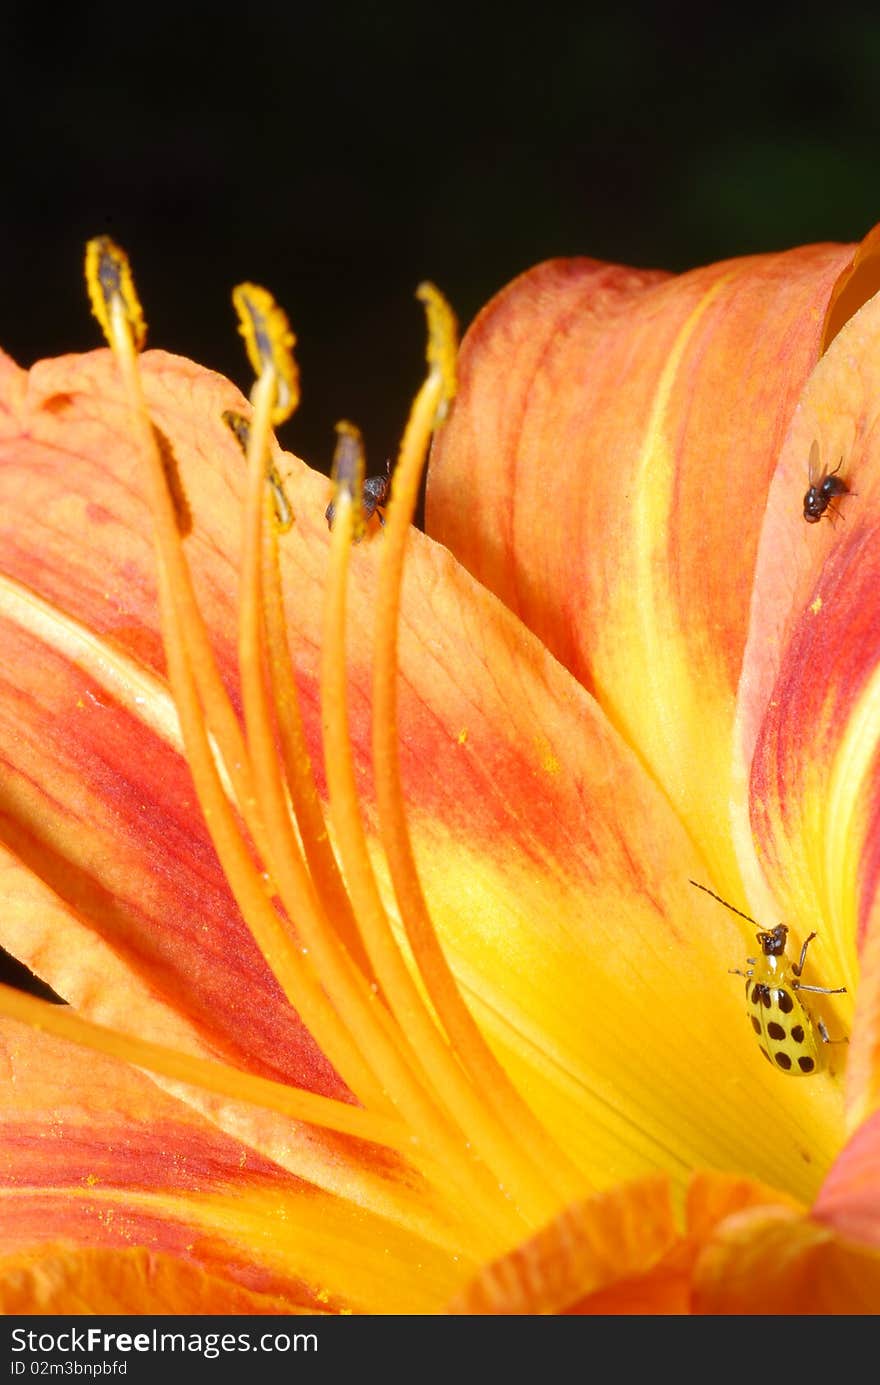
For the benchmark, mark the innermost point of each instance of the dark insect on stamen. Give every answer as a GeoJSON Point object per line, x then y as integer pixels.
{"type": "Point", "coordinates": [374, 494]}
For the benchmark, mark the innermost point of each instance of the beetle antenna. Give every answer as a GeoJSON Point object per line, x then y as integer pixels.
{"type": "Point", "coordinates": [748, 917]}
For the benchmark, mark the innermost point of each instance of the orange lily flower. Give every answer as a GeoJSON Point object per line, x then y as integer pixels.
{"type": "Point", "coordinates": [370, 892]}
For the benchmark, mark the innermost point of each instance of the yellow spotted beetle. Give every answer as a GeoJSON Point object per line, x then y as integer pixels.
{"type": "Point", "coordinates": [788, 1036]}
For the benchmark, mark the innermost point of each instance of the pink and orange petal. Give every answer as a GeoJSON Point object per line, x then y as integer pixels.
{"type": "Point", "coordinates": [745, 1249]}
{"type": "Point", "coordinates": [615, 434]}
{"type": "Point", "coordinates": [96, 1155]}
{"type": "Point", "coordinates": [808, 723]}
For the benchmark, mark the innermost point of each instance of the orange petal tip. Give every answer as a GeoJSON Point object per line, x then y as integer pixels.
{"type": "Point", "coordinates": [590, 1248]}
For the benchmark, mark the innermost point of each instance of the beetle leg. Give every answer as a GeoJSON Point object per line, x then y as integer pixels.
{"type": "Point", "coordinates": [826, 1037]}
{"type": "Point", "coordinates": [798, 966]}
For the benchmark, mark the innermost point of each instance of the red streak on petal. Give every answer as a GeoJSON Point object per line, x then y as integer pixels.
{"type": "Point", "coordinates": [849, 1201]}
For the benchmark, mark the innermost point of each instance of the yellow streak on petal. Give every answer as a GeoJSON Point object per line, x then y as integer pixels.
{"type": "Point", "coordinates": [374, 1265]}
{"type": "Point", "coordinates": [673, 699]}
{"type": "Point", "coordinates": [587, 997]}
{"type": "Point", "coordinates": [841, 842]}
{"type": "Point", "coordinates": [343, 1253]}
{"type": "Point", "coordinates": [133, 687]}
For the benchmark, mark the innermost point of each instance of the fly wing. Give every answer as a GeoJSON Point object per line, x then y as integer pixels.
{"type": "Point", "coordinates": [814, 467]}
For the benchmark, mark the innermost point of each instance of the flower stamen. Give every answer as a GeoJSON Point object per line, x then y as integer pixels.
{"type": "Point", "coordinates": [241, 429]}
{"type": "Point", "coordinates": [426, 1107]}
{"type": "Point", "coordinates": [192, 667]}
{"type": "Point", "coordinates": [298, 773]}
{"type": "Point", "coordinates": [111, 288]}
{"type": "Point", "coordinates": [467, 1040]}
{"type": "Point", "coordinates": [347, 474]}
{"type": "Point", "coordinates": [206, 1074]}
{"type": "Point", "coordinates": [464, 1101]}
{"type": "Point", "coordinates": [395, 1053]}
{"type": "Point", "coordinates": [293, 971]}
{"type": "Point", "coordinates": [264, 637]}
{"type": "Point", "coordinates": [125, 331]}
{"type": "Point", "coordinates": [394, 1057]}
{"type": "Point", "coordinates": [269, 343]}
{"type": "Point", "coordinates": [343, 982]}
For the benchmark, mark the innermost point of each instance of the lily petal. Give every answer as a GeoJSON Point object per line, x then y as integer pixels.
{"type": "Point", "coordinates": [594, 1251]}
{"type": "Point", "coordinates": [90, 741]}
{"type": "Point", "coordinates": [559, 899]}
{"type": "Point", "coordinates": [86, 908]}
{"type": "Point", "coordinates": [556, 876]}
{"type": "Point", "coordinates": [808, 718]}
{"type": "Point", "coordinates": [849, 1201]}
{"type": "Point", "coordinates": [84, 713]}
{"type": "Point", "coordinates": [130, 1282]}
{"type": "Point", "coordinates": [95, 1155]}
{"type": "Point", "coordinates": [771, 1261]}
{"type": "Point", "coordinates": [611, 446]}
{"type": "Point", "coordinates": [621, 1253]}
{"type": "Point", "coordinates": [558, 879]}
{"type": "Point", "coordinates": [858, 282]}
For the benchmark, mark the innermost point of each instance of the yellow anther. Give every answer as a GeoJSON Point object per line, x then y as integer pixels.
{"type": "Point", "coordinates": [269, 341]}
{"type": "Point", "coordinates": [238, 424]}
{"type": "Point", "coordinates": [109, 281]}
{"type": "Point", "coordinates": [347, 474]}
{"type": "Point", "coordinates": [442, 348]}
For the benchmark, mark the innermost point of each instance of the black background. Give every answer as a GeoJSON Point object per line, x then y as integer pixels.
{"type": "Point", "coordinates": [341, 153]}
